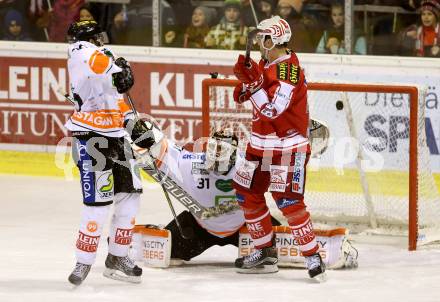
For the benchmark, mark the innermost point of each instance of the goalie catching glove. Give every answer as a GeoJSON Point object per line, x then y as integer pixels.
{"type": "Point", "coordinates": [141, 133]}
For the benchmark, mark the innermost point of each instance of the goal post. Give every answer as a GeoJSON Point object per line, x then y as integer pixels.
{"type": "Point", "coordinates": [406, 146]}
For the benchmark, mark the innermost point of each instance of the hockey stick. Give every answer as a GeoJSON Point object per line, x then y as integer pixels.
{"type": "Point", "coordinates": [186, 233]}
{"type": "Point", "coordinates": [254, 13]}
{"type": "Point", "coordinates": [172, 187]}
{"type": "Point", "coordinates": [249, 44]}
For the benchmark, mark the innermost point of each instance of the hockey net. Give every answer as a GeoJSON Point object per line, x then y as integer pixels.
{"type": "Point", "coordinates": [375, 175]}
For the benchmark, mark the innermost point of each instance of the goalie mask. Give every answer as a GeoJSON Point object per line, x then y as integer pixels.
{"type": "Point", "coordinates": [221, 151]}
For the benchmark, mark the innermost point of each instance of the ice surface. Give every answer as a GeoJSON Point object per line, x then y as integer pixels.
{"type": "Point", "coordinates": [39, 220]}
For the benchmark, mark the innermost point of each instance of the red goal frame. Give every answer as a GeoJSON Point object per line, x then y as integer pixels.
{"type": "Point", "coordinates": [413, 93]}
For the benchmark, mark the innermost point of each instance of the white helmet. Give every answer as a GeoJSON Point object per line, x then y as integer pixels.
{"type": "Point", "coordinates": [277, 28]}
{"type": "Point", "coordinates": [221, 151]}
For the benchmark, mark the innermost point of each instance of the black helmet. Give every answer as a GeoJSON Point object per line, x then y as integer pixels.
{"type": "Point", "coordinates": [84, 31]}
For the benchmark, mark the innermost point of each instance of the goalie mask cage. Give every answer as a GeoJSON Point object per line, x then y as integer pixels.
{"type": "Point", "coordinates": [375, 174]}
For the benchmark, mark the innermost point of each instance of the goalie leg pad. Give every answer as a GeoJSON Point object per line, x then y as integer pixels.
{"type": "Point", "coordinates": [151, 245]}
{"type": "Point", "coordinates": [123, 220]}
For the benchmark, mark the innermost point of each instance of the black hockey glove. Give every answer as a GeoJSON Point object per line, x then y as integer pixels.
{"type": "Point", "coordinates": [140, 133]}
{"type": "Point", "coordinates": [123, 80]}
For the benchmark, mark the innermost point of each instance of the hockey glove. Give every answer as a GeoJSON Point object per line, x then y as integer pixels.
{"type": "Point", "coordinates": [249, 75]}
{"type": "Point", "coordinates": [123, 80]}
{"type": "Point", "coordinates": [241, 94]}
{"type": "Point", "coordinates": [140, 133]}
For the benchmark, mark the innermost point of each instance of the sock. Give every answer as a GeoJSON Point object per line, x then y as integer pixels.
{"type": "Point", "coordinates": [90, 229]}
{"type": "Point", "coordinates": [123, 221]}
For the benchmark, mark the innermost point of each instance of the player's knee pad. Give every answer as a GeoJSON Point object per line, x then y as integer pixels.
{"type": "Point", "coordinates": [251, 204]}
{"type": "Point", "coordinates": [96, 174]}
{"type": "Point", "coordinates": [127, 204]}
{"type": "Point", "coordinates": [123, 221]}
{"type": "Point", "coordinates": [292, 209]}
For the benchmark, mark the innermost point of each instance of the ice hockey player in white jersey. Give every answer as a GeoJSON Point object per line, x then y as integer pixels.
{"type": "Point", "coordinates": [207, 177]}
{"type": "Point", "coordinates": [108, 174]}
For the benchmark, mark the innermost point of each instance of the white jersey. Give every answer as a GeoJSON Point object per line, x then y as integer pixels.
{"type": "Point", "coordinates": [211, 190]}
{"type": "Point", "coordinates": [90, 72]}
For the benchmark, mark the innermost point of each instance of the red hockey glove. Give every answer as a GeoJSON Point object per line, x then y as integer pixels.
{"type": "Point", "coordinates": [250, 75]}
{"type": "Point", "coordinates": [241, 94]}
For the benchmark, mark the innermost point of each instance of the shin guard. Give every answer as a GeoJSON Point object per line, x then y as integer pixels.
{"type": "Point", "coordinates": [90, 229]}
{"type": "Point", "coordinates": [123, 220]}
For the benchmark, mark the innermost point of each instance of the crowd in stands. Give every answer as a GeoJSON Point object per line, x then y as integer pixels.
{"type": "Point", "coordinates": [317, 25]}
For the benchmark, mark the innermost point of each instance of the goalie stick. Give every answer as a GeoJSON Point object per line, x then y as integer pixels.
{"type": "Point", "coordinates": [186, 233]}
{"type": "Point", "coordinates": [174, 189]}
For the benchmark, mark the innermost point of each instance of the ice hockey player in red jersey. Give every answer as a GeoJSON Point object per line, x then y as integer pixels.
{"type": "Point", "coordinates": [278, 150]}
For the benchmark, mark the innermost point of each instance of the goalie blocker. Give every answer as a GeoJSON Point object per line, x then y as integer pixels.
{"type": "Point", "coordinates": [152, 246]}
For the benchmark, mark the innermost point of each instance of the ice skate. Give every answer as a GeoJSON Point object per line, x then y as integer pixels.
{"type": "Point", "coordinates": [122, 269]}
{"type": "Point", "coordinates": [261, 261]}
{"type": "Point", "coordinates": [316, 267]}
{"type": "Point", "coordinates": [79, 273]}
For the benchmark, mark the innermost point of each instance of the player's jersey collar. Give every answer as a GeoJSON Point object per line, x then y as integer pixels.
{"type": "Point", "coordinates": [280, 59]}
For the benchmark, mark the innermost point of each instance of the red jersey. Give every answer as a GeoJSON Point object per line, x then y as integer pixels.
{"type": "Point", "coordinates": [280, 116]}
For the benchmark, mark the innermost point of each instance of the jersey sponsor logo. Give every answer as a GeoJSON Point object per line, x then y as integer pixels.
{"type": "Point", "coordinates": [285, 202]}
{"type": "Point", "coordinates": [298, 173]}
{"type": "Point", "coordinates": [101, 119]}
{"type": "Point", "coordinates": [123, 236]}
{"type": "Point", "coordinates": [294, 74]}
{"type": "Point", "coordinates": [224, 185]}
{"type": "Point", "coordinates": [199, 169]}
{"type": "Point", "coordinates": [282, 70]}
{"type": "Point", "coordinates": [303, 235]}
{"type": "Point", "coordinates": [87, 243]}
{"type": "Point", "coordinates": [92, 226]}
{"type": "Point", "coordinates": [86, 172]}
{"type": "Point", "coordinates": [225, 199]}
{"type": "Point", "coordinates": [268, 110]}
{"type": "Point", "coordinates": [245, 174]}
{"type": "Point", "coordinates": [278, 178]}
{"type": "Point", "coordinates": [256, 229]}
{"type": "Point", "coordinates": [194, 156]}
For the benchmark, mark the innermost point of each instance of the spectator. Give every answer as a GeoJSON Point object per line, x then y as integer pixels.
{"type": "Point", "coordinates": [247, 14]}
{"type": "Point", "coordinates": [39, 19]}
{"type": "Point", "coordinates": [423, 40]}
{"type": "Point", "coordinates": [305, 30]}
{"type": "Point", "coordinates": [133, 24]}
{"type": "Point", "coordinates": [230, 33]}
{"type": "Point", "coordinates": [85, 14]}
{"type": "Point", "coordinates": [332, 40]}
{"type": "Point", "coordinates": [195, 33]}
{"type": "Point", "coordinates": [64, 13]}
{"type": "Point", "coordinates": [14, 27]}
{"type": "Point", "coordinates": [267, 8]}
